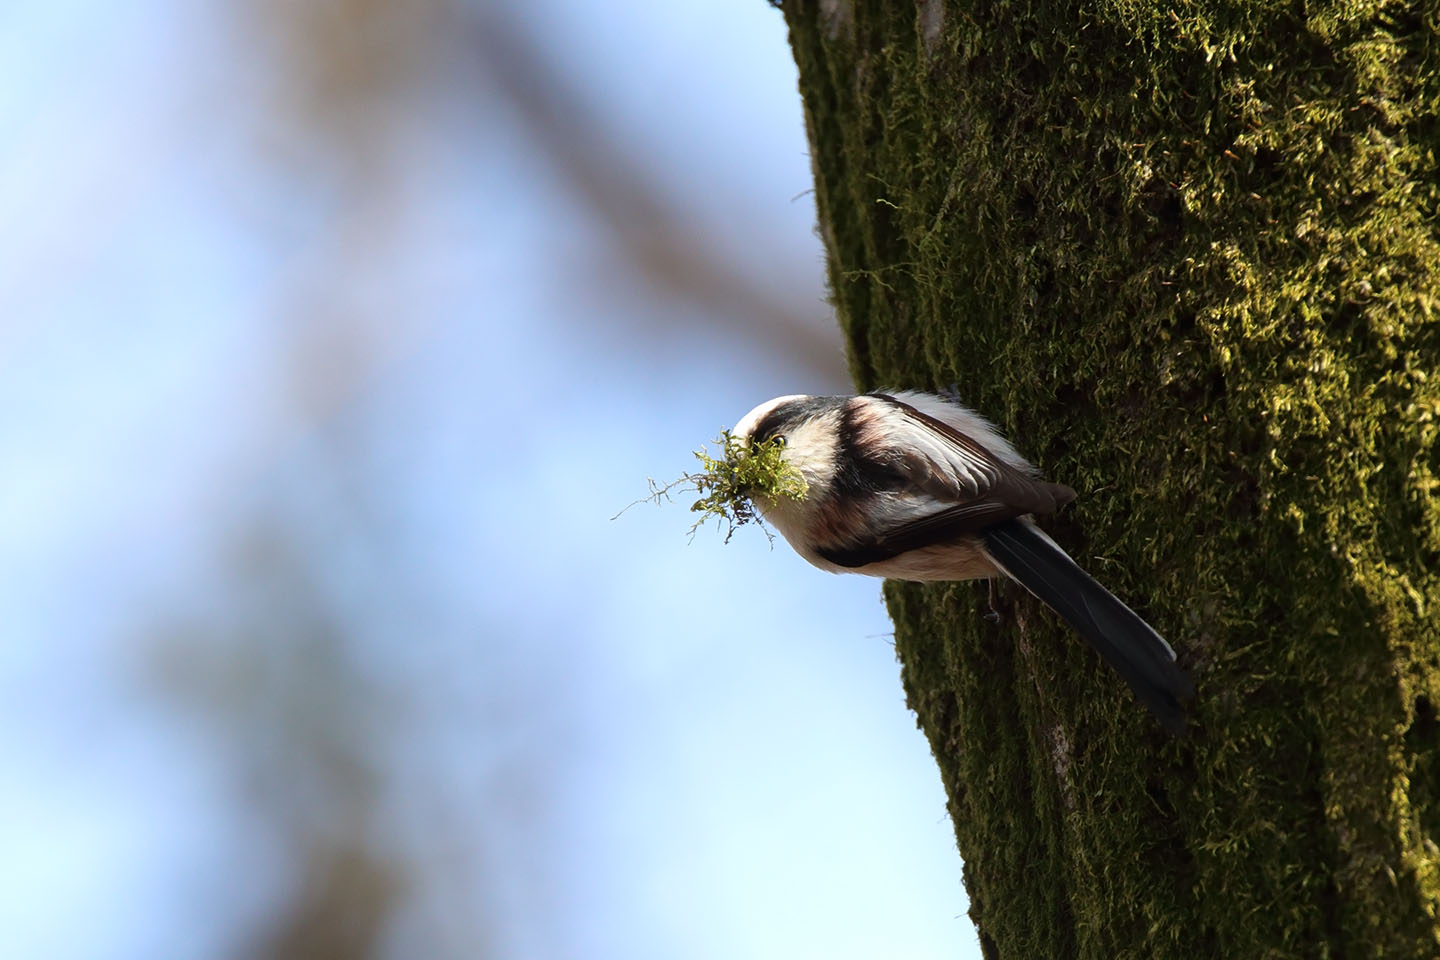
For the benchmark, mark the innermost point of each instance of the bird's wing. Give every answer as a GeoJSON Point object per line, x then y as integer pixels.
{"type": "Point", "coordinates": [940, 524]}
{"type": "Point", "coordinates": [954, 467]}
{"type": "Point", "coordinates": [953, 485]}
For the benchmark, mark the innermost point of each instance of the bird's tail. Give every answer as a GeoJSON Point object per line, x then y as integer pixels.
{"type": "Point", "coordinates": [1127, 643]}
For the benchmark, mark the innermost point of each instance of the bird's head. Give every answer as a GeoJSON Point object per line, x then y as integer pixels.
{"type": "Point", "coordinates": [806, 431]}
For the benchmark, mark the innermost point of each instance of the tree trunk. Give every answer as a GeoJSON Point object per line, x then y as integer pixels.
{"type": "Point", "coordinates": [1186, 255]}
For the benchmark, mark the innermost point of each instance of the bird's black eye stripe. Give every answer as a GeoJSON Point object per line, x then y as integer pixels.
{"type": "Point", "coordinates": [793, 414]}
{"type": "Point", "coordinates": [770, 426]}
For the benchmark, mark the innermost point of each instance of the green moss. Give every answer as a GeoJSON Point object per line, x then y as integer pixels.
{"type": "Point", "coordinates": [1189, 255]}
{"type": "Point", "coordinates": [733, 487]}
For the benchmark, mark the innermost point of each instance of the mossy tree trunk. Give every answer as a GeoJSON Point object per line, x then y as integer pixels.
{"type": "Point", "coordinates": [1188, 256]}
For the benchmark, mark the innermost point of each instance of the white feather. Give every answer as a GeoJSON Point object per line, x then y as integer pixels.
{"type": "Point", "coordinates": [968, 422]}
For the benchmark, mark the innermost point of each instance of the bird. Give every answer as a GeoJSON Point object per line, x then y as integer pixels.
{"type": "Point", "coordinates": [916, 486]}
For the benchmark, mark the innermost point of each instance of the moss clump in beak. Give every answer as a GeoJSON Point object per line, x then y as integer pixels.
{"type": "Point", "coordinates": [729, 486]}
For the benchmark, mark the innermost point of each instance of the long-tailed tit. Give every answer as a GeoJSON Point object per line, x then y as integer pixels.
{"type": "Point", "coordinates": [913, 486]}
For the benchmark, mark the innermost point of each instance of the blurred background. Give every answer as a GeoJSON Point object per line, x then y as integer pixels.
{"type": "Point", "coordinates": [333, 334]}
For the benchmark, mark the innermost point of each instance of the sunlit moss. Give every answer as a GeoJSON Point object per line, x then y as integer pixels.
{"type": "Point", "coordinates": [1190, 254]}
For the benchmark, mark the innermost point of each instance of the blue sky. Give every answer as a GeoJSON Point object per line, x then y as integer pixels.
{"type": "Point", "coordinates": [313, 436]}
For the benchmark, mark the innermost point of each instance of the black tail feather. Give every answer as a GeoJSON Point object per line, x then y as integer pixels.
{"type": "Point", "coordinates": [1127, 643]}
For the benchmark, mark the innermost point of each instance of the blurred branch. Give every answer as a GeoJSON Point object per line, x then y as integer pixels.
{"type": "Point", "coordinates": [350, 66]}
{"type": "Point", "coordinates": [346, 897]}
{"type": "Point", "coordinates": [653, 234]}
{"type": "Point", "coordinates": [354, 70]}
{"type": "Point", "coordinates": [274, 681]}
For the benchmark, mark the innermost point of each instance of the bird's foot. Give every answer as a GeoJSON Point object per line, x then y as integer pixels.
{"type": "Point", "coordinates": [994, 615]}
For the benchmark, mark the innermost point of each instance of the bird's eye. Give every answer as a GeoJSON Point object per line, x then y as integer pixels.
{"type": "Point", "coordinates": [780, 439]}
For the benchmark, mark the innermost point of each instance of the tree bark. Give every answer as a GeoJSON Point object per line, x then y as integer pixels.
{"type": "Point", "coordinates": [1187, 256]}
